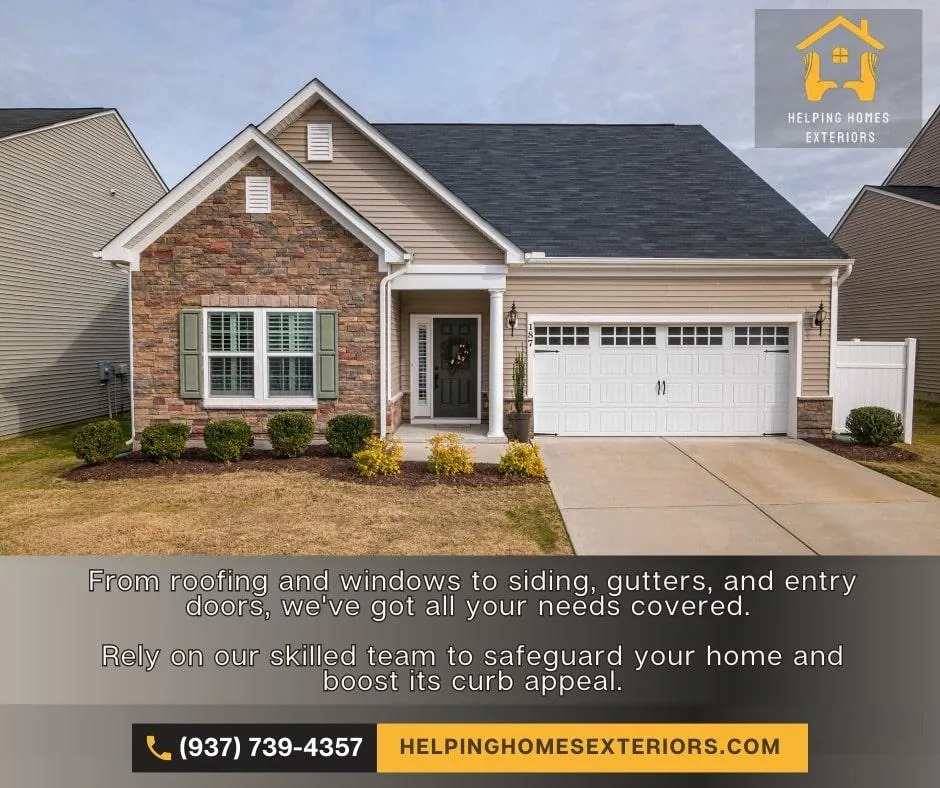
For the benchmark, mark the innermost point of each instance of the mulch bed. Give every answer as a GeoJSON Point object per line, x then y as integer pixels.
{"type": "Point", "coordinates": [315, 460]}
{"type": "Point", "coordinates": [854, 451]}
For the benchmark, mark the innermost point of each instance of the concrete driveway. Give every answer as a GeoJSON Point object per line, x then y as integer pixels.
{"type": "Point", "coordinates": [729, 496]}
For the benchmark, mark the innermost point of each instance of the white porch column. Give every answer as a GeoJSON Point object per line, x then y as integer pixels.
{"type": "Point", "coordinates": [496, 364]}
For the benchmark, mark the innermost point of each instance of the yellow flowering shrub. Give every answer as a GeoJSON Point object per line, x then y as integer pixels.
{"type": "Point", "coordinates": [379, 457]}
{"type": "Point", "coordinates": [522, 459]}
{"type": "Point", "coordinates": [448, 456]}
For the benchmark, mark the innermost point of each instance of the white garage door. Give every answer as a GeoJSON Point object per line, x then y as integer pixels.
{"type": "Point", "coordinates": [661, 380]}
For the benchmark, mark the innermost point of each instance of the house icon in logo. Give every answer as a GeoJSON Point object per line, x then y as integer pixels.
{"type": "Point", "coordinates": [842, 38]}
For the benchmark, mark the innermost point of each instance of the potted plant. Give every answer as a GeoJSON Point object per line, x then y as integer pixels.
{"type": "Point", "coordinates": [521, 421]}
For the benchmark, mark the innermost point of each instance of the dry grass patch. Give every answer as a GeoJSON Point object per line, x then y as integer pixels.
{"type": "Point", "coordinates": [258, 512]}
{"type": "Point", "coordinates": [923, 473]}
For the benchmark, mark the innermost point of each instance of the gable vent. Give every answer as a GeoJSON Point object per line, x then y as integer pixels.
{"type": "Point", "coordinates": [319, 142]}
{"type": "Point", "coordinates": [257, 194]}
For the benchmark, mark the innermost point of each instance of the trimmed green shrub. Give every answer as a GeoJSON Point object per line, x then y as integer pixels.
{"type": "Point", "coordinates": [448, 455]}
{"type": "Point", "coordinates": [522, 459]}
{"type": "Point", "coordinates": [874, 426]}
{"type": "Point", "coordinates": [346, 434]}
{"type": "Point", "coordinates": [380, 457]}
{"type": "Point", "coordinates": [98, 442]}
{"type": "Point", "coordinates": [166, 442]}
{"type": "Point", "coordinates": [228, 440]}
{"type": "Point", "coordinates": [290, 433]}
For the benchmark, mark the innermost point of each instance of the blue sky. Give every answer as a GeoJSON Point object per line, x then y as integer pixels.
{"type": "Point", "coordinates": [188, 74]}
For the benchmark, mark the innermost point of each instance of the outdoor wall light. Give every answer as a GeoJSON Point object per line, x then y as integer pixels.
{"type": "Point", "coordinates": [513, 317]}
{"type": "Point", "coordinates": [820, 318]}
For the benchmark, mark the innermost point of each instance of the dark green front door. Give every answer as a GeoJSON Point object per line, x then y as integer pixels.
{"type": "Point", "coordinates": [455, 367]}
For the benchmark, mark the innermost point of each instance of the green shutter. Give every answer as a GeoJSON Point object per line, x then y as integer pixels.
{"type": "Point", "coordinates": [191, 353]}
{"type": "Point", "coordinates": [327, 354]}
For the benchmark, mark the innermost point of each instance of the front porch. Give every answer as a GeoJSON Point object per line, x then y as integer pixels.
{"type": "Point", "coordinates": [446, 356]}
{"type": "Point", "coordinates": [422, 432]}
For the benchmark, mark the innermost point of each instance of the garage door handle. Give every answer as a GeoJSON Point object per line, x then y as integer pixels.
{"type": "Point", "coordinates": [546, 351]}
{"type": "Point", "coordinates": [658, 384]}
{"type": "Point", "coordinates": [664, 387]}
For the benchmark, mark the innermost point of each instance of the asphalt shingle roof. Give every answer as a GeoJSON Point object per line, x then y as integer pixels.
{"type": "Point", "coordinates": [929, 194]}
{"type": "Point", "coordinates": [15, 121]}
{"type": "Point", "coordinates": [613, 190]}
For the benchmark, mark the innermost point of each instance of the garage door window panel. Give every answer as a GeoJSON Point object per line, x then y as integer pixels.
{"type": "Point", "coordinates": [562, 336]}
{"type": "Point", "coordinates": [628, 336]}
{"type": "Point", "coordinates": [686, 336]}
{"type": "Point", "coordinates": [765, 336]}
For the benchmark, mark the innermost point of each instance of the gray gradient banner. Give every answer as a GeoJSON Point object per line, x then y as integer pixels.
{"type": "Point", "coordinates": [873, 715]}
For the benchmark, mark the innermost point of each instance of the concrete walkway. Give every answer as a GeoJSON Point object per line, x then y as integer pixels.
{"type": "Point", "coordinates": [728, 496]}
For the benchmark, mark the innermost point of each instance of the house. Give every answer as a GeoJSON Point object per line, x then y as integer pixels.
{"type": "Point", "coordinates": [893, 231]}
{"type": "Point", "coordinates": [838, 39]}
{"type": "Point", "coordinates": [655, 284]}
{"type": "Point", "coordinates": [71, 178]}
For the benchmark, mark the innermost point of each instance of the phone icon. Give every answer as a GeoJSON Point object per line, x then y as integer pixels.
{"type": "Point", "coordinates": [152, 746]}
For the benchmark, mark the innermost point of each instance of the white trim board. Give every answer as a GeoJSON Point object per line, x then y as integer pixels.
{"type": "Point", "coordinates": [220, 168]}
{"type": "Point", "coordinates": [678, 319]}
{"type": "Point", "coordinates": [413, 280]}
{"type": "Point", "coordinates": [315, 91]}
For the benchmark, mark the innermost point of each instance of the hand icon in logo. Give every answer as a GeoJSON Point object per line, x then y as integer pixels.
{"type": "Point", "coordinates": [864, 87]}
{"type": "Point", "coordinates": [815, 87]}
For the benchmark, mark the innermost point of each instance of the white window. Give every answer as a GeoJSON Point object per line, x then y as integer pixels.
{"type": "Point", "coordinates": [259, 357]}
{"type": "Point", "coordinates": [319, 142]}
{"type": "Point", "coordinates": [257, 194]}
{"type": "Point", "coordinates": [553, 336]}
{"type": "Point", "coordinates": [762, 335]}
{"type": "Point", "coordinates": [618, 336]}
{"type": "Point", "coordinates": [694, 335]}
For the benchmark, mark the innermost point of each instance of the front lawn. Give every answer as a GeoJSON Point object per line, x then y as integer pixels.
{"type": "Point", "coordinates": [923, 473]}
{"type": "Point", "coordinates": [258, 512]}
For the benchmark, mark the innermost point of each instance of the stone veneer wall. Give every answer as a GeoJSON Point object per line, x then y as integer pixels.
{"type": "Point", "coordinates": [221, 255]}
{"type": "Point", "coordinates": [814, 417]}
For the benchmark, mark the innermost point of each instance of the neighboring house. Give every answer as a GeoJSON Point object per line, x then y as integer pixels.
{"type": "Point", "coordinates": [69, 179]}
{"type": "Point", "coordinates": [655, 283]}
{"type": "Point", "coordinates": [893, 232]}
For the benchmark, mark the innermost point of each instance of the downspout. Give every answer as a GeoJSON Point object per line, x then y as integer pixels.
{"type": "Point", "coordinates": [385, 342]}
{"type": "Point", "coordinates": [834, 333]}
{"type": "Point", "coordinates": [130, 358]}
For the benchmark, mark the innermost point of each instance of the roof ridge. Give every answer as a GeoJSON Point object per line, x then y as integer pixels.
{"type": "Point", "coordinates": [516, 125]}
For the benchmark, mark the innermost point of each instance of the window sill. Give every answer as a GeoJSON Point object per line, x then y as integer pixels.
{"type": "Point", "coordinates": [241, 403]}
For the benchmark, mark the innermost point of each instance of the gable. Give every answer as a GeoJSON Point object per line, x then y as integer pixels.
{"type": "Point", "coordinates": [215, 172]}
{"type": "Point", "coordinates": [920, 163]}
{"type": "Point", "coordinates": [386, 194]}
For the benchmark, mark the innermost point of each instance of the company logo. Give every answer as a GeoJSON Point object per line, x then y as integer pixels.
{"type": "Point", "coordinates": [867, 60]}
{"type": "Point", "coordinates": [837, 78]}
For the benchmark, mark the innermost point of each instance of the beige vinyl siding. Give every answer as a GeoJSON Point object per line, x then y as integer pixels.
{"type": "Point", "coordinates": [61, 311]}
{"type": "Point", "coordinates": [394, 372]}
{"type": "Point", "coordinates": [628, 295]}
{"type": "Point", "coordinates": [442, 303]}
{"type": "Point", "coordinates": [922, 165]}
{"type": "Point", "coordinates": [387, 195]}
{"type": "Point", "coordinates": [894, 290]}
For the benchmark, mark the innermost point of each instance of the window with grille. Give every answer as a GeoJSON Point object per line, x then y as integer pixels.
{"type": "Point", "coordinates": [694, 335]}
{"type": "Point", "coordinates": [761, 335]}
{"type": "Point", "coordinates": [260, 354]}
{"type": "Point", "coordinates": [290, 354]}
{"type": "Point", "coordinates": [617, 336]}
{"type": "Point", "coordinates": [231, 348]}
{"type": "Point", "coordinates": [553, 336]}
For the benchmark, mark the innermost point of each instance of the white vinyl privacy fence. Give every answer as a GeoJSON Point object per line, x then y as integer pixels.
{"type": "Point", "coordinates": [874, 373]}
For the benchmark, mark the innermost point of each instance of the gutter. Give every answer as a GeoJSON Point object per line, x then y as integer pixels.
{"type": "Point", "coordinates": [385, 342]}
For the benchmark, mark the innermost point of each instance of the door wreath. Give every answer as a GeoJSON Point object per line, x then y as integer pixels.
{"type": "Point", "coordinates": [456, 354]}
